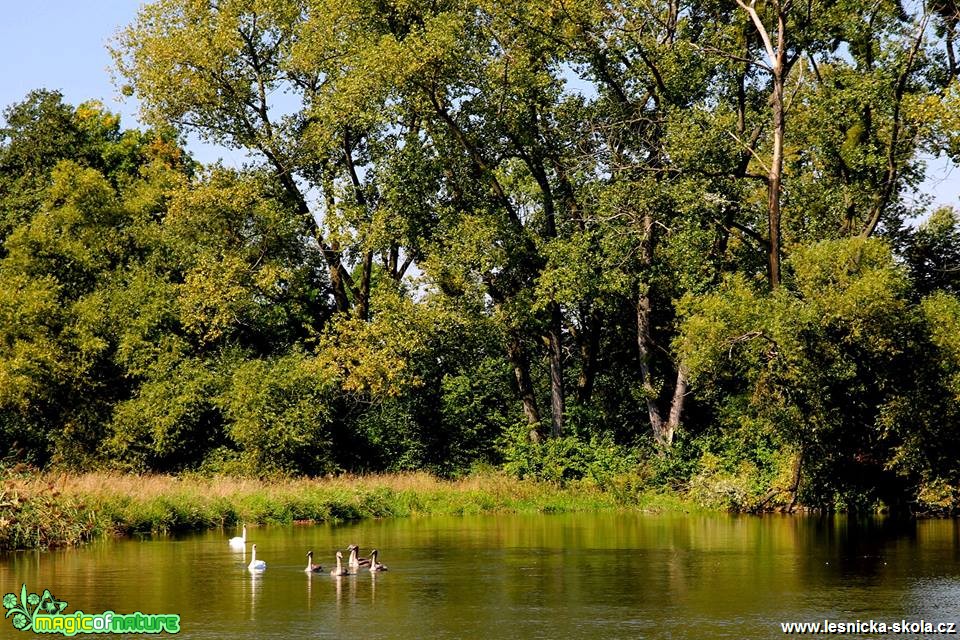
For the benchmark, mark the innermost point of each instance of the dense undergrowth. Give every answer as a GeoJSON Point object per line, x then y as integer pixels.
{"type": "Point", "coordinates": [44, 509]}
{"type": "Point", "coordinates": [50, 510]}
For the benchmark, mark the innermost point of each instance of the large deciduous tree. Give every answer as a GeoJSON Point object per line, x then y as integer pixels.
{"type": "Point", "coordinates": [679, 225]}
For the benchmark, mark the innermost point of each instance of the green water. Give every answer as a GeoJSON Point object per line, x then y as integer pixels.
{"type": "Point", "coordinates": [545, 576]}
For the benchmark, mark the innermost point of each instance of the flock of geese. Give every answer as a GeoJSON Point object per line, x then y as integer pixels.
{"type": "Point", "coordinates": [354, 563]}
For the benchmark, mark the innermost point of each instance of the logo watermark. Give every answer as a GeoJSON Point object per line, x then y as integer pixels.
{"type": "Point", "coordinates": [43, 613]}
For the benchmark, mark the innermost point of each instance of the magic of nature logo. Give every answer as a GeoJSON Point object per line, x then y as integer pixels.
{"type": "Point", "coordinates": [43, 613]}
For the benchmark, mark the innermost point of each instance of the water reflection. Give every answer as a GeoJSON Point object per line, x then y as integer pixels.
{"type": "Point", "coordinates": [584, 576]}
{"type": "Point", "coordinates": [256, 578]}
{"type": "Point", "coordinates": [338, 585]}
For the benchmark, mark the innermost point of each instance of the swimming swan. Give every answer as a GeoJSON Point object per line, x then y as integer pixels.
{"type": "Point", "coordinates": [239, 542]}
{"type": "Point", "coordinates": [374, 565]}
{"type": "Point", "coordinates": [356, 562]}
{"type": "Point", "coordinates": [340, 570]}
{"type": "Point", "coordinates": [256, 565]}
{"type": "Point", "coordinates": [312, 568]}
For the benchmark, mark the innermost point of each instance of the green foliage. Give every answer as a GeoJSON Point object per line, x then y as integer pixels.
{"type": "Point", "coordinates": [39, 512]}
{"type": "Point", "coordinates": [932, 253]}
{"type": "Point", "coordinates": [744, 468]}
{"type": "Point", "coordinates": [171, 421]}
{"type": "Point", "coordinates": [474, 412]}
{"type": "Point", "coordinates": [942, 314]}
{"type": "Point", "coordinates": [464, 215]}
{"type": "Point", "coordinates": [280, 415]}
{"type": "Point", "coordinates": [829, 364]}
{"type": "Point", "coordinates": [562, 460]}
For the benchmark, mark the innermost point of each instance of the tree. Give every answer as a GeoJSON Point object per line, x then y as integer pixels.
{"type": "Point", "coordinates": [217, 69]}
{"type": "Point", "coordinates": [932, 253]}
{"type": "Point", "coordinates": [829, 365]}
{"type": "Point", "coordinates": [670, 223]}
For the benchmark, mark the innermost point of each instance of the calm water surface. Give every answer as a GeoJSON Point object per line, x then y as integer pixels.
{"type": "Point", "coordinates": [544, 576]}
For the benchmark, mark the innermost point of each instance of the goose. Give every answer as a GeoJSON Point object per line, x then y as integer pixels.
{"type": "Point", "coordinates": [356, 562]}
{"type": "Point", "coordinates": [312, 568]}
{"type": "Point", "coordinates": [256, 565]}
{"type": "Point", "coordinates": [239, 542]}
{"type": "Point", "coordinates": [340, 570]}
{"type": "Point", "coordinates": [374, 565]}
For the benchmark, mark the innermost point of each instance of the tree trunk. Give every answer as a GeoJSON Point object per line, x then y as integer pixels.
{"type": "Point", "coordinates": [645, 339]}
{"type": "Point", "coordinates": [521, 371]}
{"type": "Point", "coordinates": [773, 200]}
{"type": "Point", "coordinates": [555, 346]}
{"type": "Point", "coordinates": [363, 299]}
{"type": "Point", "coordinates": [339, 278]}
{"type": "Point", "coordinates": [663, 432]}
{"type": "Point", "coordinates": [795, 485]}
{"type": "Point", "coordinates": [588, 341]}
{"type": "Point", "coordinates": [336, 280]}
{"type": "Point", "coordinates": [392, 260]}
{"type": "Point", "coordinates": [643, 347]}
{"type": "Point", "coordinates": [676, 406]}
{"type": "Point", "coordinates": [951, 29]}
{"type": "Point", "coordinates": [779, 68]}
{"type": "Point", "coordinates": [892, 174]}
{"type": "Point", "coordinates": [775, 178]}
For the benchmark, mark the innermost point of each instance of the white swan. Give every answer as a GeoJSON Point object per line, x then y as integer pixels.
{"type": "Point", "coordinates": [239, 542]}
{"type": "Point", "coordinates": [312, 568]}
{"type": "Point", "coordinates": [340, 570]}
{"type": "Point", "coordinates": [356, 562]}
{"type": "Point", "coordinates": [374, 565]}
{"type": "Point", "coordinates": [256, 565]}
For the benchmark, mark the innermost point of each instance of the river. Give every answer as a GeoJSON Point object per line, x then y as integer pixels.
{"type": "Point", "coordinates": [580, 576]}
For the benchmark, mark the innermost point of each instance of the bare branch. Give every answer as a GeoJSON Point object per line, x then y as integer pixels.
{"type": "Point", "coordinates": [749, 147]}
{"type": "Point", "coordinates": [893, 170]}
{"type": "Point", "coordinates": [762, 30]}
{"type": "Point", "coordinates": [730, 56]}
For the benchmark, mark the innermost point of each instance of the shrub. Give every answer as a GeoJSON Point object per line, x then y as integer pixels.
{"type": "Point", "coordinates": [561, 460]}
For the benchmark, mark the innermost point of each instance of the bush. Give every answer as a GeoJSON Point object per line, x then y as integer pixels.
{"type": "Point", "coordinates": [279, 415]}
{"type": "Point", "coordinates": [936, 497]}
{"type": "Point", "coordinates": [562, 460]}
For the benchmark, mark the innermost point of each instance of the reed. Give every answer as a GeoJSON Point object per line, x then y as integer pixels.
{"type": "Point", "coordinates": [59, 509]}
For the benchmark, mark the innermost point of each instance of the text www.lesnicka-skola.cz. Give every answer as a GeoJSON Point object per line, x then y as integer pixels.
{"type": "Point", "coordinates": [828, 627]}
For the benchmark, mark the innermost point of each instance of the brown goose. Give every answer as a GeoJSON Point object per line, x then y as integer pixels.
{"type": "Point", "coordinates": [374, 565]}
{"type": "Point", "coordinates": [340, 570]}
{"type": "Point", "coordinates": [356, 562]}
{"type": "Point", "coordinates": [312, 568]}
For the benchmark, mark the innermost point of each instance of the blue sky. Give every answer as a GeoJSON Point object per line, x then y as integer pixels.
{"type": "Point", "coordinates": [61, 44]}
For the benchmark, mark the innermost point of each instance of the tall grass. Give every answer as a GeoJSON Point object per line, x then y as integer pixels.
{"type": "Point", "coordinates": [48, 510]}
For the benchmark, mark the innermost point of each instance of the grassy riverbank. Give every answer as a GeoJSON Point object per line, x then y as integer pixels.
{"type": "Point", "coordinates": [50, 510]}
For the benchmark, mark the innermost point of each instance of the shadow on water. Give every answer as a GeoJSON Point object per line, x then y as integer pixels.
{"type": "Point", "coordinates": [863, 545]}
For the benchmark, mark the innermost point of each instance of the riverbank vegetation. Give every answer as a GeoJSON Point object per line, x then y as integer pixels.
{"type": "Point", "coordinates": [50, 510]}
{"type": "Point", "coordinates": [641, 247]}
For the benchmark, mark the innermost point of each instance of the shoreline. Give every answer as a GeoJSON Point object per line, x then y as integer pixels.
{"type": "Point", "coordinates": [49, 510]}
